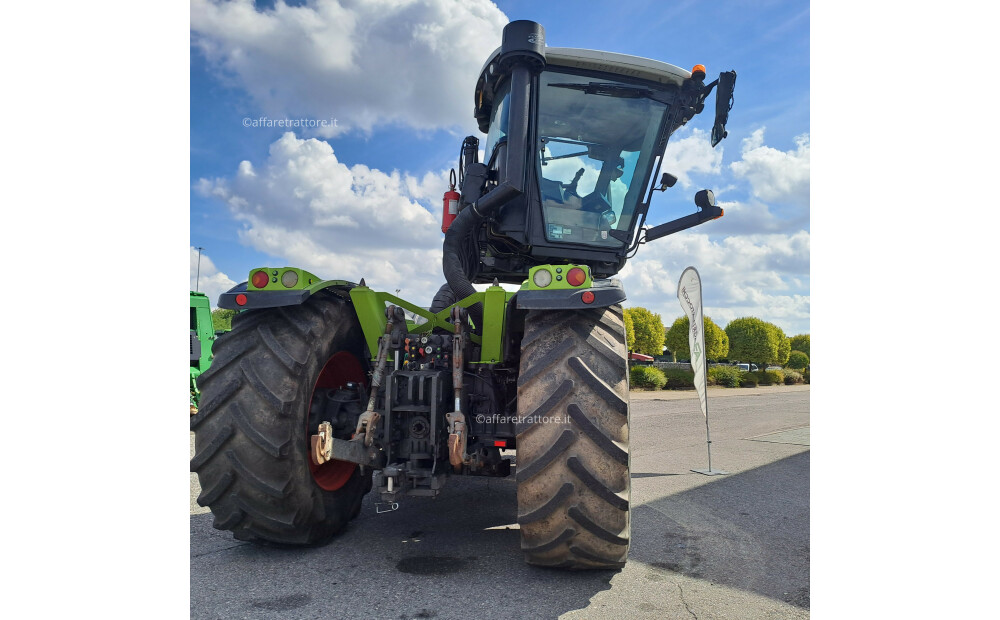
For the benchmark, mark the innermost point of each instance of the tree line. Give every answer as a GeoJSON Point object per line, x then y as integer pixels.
{"type": "Point", "coordinates": [748, 340]}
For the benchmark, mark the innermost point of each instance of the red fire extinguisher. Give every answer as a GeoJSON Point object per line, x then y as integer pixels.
{"type": "Point", "coordinates": [450, 210]}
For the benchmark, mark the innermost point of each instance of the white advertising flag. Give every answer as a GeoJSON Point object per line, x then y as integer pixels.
{"type": "Point", "coordinates": [689, 294]}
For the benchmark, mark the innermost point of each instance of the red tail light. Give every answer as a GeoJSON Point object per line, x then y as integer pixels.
{"type": "Point", "coordinates": [576, 276]}
{"type": "Point", "coordinates": [241, 299]}
{"type": "Point", "coordinates": [259, 279]}
{"type": "Point", "coordinates": [588, 297]}
{"type": "Point", "coordinates": [499, 443]}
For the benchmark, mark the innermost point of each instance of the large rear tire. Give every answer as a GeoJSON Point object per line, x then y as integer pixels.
{"type": "Point", "coordinates": [444, 298]}
{"type": "Point", "coordinates": [251, 437]}
{"type": "Point", "coordinates": [572, 439]}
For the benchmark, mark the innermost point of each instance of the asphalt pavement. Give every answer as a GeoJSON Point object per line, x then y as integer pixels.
{"type": "Point", "coordinates": [726, 546]}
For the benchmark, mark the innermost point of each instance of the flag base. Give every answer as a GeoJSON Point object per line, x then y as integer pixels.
{"type": "Point", "coordinates": [710, 472]}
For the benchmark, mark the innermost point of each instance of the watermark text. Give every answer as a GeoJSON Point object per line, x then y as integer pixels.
{"type": "Point", "coordinates": [513, 419]}
{"type": "Point", "coordinates": [265, 121]}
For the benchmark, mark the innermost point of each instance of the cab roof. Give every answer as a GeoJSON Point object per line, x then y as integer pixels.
{"type": "Point", "coordinates": [609, 62]}
{"type": "Point", "coordinates": [612, 63]}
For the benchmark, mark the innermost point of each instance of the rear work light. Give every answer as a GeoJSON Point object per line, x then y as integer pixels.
{"type": "Point", "coordinates": [259, 279]}
{"type": "Point", "coordinates": [576, 276]}
{"type": "Point", "coordinates": [542, 278]}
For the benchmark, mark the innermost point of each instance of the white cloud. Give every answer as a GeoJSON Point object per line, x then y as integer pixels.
{"type": "Point", "coordinates": [305, 207]}
{"type": "Point", "coordinates": [207, 278]}
{"type": "Point", "coordinates": [765, 276]}
{"type": "Point", "coordinates": [363, 63]}
{"type": "Point", "coordinates": [755, 217]}
{"type": "Point", "coordinates": [691, 154]}
{"type": "Point", "coordinates": [430, 187]}
{"type": "Point", "coordinates": [775, 176]}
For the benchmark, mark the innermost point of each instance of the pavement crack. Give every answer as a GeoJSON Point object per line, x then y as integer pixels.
{"type": "Point", "coordinates": [681, 590]}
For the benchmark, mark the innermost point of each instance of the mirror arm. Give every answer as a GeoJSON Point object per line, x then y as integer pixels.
{"type": "Point", "coordinates": [688, 221]}
{"type": "Point", "coordinates": [708, 89]}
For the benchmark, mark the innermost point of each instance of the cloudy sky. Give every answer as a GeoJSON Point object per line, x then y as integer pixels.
{"type": "Point", "coordinates": [388, 87]}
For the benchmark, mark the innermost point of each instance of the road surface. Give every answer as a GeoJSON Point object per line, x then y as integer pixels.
{"type": "Point", "coordinates": [728, 546]}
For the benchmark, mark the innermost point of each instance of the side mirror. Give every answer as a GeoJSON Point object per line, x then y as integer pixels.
{"type": "Point", "coordinates": [704, 199]}
{"type": "Point", "coordinates": [723, 104]}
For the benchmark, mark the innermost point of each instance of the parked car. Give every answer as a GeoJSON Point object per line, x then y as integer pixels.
{"type": "Point", "coordinates": [748, 367]}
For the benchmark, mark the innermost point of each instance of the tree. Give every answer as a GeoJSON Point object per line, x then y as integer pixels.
{"type": "Point", "coordinates": [648, 329]}
{"type": "Point", "coordinates": [797, 360]}
{"type": "Point", "coordinates": [222, 319]}
{"type": "Point", "coordinates": [756, 341]}
{"type": "Point", "coordinates": [629, 331]}
{"type": "Point", "coordinates": [784, 346]}
{"type": "Point", "coordinates": [716, 340]}
{"type": "Point", "coordinates": [801, 343]}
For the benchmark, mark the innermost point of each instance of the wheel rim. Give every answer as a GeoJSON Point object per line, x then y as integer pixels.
{"type": "Point", "coordinates": [337, 372]}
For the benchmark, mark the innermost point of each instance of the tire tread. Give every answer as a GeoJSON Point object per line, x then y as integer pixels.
{"type": "Point", "coordinates": [572, 474]}
{"type": "Point", "coordinates": [250, 456]}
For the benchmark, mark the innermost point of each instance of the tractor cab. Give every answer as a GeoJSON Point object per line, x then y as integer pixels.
{"type": "Point", "coordinates": [573, 139]}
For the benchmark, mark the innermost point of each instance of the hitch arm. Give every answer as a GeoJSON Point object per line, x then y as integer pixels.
{"type": "Point", "coordinates": [326, 447]}
{"type": "Point", "coordinates": [368, 420]}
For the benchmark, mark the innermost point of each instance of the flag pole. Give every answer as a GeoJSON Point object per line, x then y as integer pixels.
{"type": "Point", "coordinates": [689, 292]}
{"type": "Point", "coordinates": [708, 434]}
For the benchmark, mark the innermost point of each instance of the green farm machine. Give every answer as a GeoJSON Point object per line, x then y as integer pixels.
{"type": "Point", "coordinates": [325, 389]}
{"type": "Point", "coordinates": [202, 338]}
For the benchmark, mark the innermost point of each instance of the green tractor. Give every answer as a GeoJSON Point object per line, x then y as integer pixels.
{"type": "Point", "coordinates": [202, 338]}
{"type": "Point", "coordinates": [326, 388]}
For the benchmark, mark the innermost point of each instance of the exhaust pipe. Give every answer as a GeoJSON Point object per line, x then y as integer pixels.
{"type": "Point", "coordinates": [522, 52]}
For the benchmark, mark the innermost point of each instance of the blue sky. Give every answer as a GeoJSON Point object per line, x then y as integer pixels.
{"type": "Point", "coordinates": [363, 199]}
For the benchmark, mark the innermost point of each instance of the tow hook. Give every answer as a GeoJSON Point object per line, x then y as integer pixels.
{"type": "Point", "coordinates": [457, 440]}
{"type": "Point", "coordinates": [390, 475]}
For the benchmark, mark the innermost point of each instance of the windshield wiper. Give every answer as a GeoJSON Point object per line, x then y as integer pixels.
{"type": "Point", "coordinates": [621, 91]}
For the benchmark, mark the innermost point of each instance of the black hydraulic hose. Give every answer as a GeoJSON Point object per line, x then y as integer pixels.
{"type": "Point", "coordinates": [462, 228]}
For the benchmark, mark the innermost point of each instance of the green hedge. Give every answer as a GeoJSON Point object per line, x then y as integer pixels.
{"type": "Point", "coordinates": [647, 377]}
{"type": "Point", "coordinates": [770, 377]}
{"type": "Point", "coordinates": [650, 377]}
{"type": "Point", "coordinates": [677, 378]}
{"type": "Point", "coordinates": [792, 377]}
{"type": "Point", "coordinates": [726, 376]}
